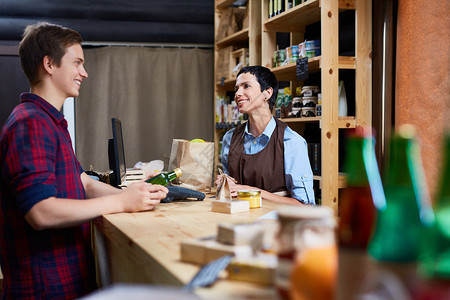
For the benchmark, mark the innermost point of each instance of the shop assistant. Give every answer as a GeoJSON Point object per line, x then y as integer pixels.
{"type": "Point", "coordinates": [264, 153]}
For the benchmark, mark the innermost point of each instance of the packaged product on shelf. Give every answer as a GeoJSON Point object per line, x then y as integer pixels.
{"type": "Point", "coordinates": [225, 113]}
{"type": "Point", "coordinates": [279, 56]}
{"type": "Point", "coordinates": [286, 107]}
{"type": "Point", "coordinates": [311, 48]}
{"type": "Point", "coordinates": [230, 113]}
{"type": "Point", "coordinates": [301, 50]}
{"type": "Point", "coordinates": [277, 112]}
{"type": "Point", "coordinates": [296, 107]}
{"type": "Point", "coordinates": [289, 4]}
{"type": "Point", "coordinates": [309, 101]}
{"type": "Point", "coordinates": [318, 110]}
{"type": "Point", "coordinates": [287, 96]}
{"type": "Point", "coordinates": [291, 54]}
{"type": "Point", "coordinates": [235, 112]}
{"type": "Point", "coordinates": [317, 47]}
{"type": "Point", "coordinates": [219, 101]}
{"type": "Point", "coordinates": [319, 105]}
{"type": "Point", "coordinates": [308, 112]}
{"type": "Point", "coordinates": [342, 107]}
{"type": "Point", "coordinates": [280, 98]}
{"type": "Point", "coordinates": [310, 91]}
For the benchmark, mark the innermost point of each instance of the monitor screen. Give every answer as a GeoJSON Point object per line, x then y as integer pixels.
{"type": "Point", "coordinates": [116, 153]}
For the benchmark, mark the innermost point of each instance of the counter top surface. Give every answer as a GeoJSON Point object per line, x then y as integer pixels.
{"type": "Point", "coordinates": [145, 246]}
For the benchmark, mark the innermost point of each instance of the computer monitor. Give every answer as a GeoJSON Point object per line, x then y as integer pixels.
{"type": "Point", "coordinates": [116, 154]}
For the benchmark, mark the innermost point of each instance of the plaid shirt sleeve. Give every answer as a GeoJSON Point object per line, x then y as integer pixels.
{"type": "Point", "coordinates": [31, 162]}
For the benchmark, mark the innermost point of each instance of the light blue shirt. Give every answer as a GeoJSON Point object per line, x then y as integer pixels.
{"type": "Point", "coordinates": [298, 173]}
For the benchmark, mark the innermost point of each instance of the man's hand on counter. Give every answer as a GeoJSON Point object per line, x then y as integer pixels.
{"type": "Point", "coordinates": [142, 196]}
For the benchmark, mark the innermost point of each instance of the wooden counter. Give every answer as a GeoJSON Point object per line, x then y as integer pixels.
{"type": "Point", "coordinates": [145, 247]}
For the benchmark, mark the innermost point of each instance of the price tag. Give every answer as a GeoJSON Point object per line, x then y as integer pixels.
{"type": "Point", "coordinates": [302, 68]}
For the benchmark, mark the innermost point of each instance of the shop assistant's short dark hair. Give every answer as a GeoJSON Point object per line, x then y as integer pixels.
{"type": "Point", "coordinates": [42, 39]}
{"type": "Point", "coordinates": [266, 79]}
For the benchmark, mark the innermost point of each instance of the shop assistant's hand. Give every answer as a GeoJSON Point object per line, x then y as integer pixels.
{"type": "Point", "coordinates": [218, 179]}
{"type": "Point", "coordinates": [142, 196]}
{"type": "Point", "coordinates": [234, 188]}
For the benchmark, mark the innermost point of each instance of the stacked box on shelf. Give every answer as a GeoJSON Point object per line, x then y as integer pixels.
{"type": "Point", "coordinates": [223, 63]}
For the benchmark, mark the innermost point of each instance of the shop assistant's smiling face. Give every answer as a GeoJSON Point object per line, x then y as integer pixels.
{"type": "Point", "coordinates": [248, 94]}
{"type": "Point", "coordinates": [69, 75]}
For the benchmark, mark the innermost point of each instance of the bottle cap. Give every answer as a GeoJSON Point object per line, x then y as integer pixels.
{"type": "Point", "coordinates": [178, 172]}
{"type": "Point", "coordinates": [362, 132]}
{"type": "Point", "coordinates": [406, 131]}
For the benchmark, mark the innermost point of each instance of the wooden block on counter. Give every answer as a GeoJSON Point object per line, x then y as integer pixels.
{"type": "Point", "coordinates": [204, 250]}
{"type": "Point", "coordinates": [230, 207]}
{"type": "Point", "coordinates": [259, 269]}
{"type": "Point", "coordinates": [251, 234]}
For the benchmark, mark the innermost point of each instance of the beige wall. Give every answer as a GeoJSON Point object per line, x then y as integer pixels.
{"type": "Point", "coordinates": [422, 77]}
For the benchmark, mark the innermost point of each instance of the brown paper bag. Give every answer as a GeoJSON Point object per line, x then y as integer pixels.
{"type": "Point", "coordinates": [223, 188]}
{"type": "Point", "coordinates": [196, 161]}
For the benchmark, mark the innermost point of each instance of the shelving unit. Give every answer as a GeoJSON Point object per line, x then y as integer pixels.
{"type": "Point", "coordinates": [328, 64]}
{"type": "Point", "coordinates": [250, 38]}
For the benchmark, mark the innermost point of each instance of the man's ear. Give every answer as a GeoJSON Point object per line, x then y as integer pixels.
{"type": "Point", "coordinates": [47, 63]}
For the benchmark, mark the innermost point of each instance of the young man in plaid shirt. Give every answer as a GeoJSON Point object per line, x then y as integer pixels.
{"type": "Point", "coordinates": [46, 200]}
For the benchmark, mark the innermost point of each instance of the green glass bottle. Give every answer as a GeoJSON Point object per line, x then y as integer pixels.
{"type": "Point", "coordinates": [434, 260]}
{"type": "Point", "coordinates": [165, 178]}
{"type": "Point", "coordinates": [357, 207]}
{"type": "Point", "coordinates": [399, 225]}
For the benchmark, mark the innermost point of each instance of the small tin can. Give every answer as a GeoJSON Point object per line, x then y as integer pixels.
{"type": "Point", "coordinates": [252, 196]}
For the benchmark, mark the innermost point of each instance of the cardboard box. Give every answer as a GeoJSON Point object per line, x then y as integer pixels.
{"type": "Point", "coordinates": [223, 63]}
{"type": "Point", "coordinates": [260, 269]}
{"type": "Point", "coordinates": [251, 234]}
{"type": "Point", "coordinates": [232, 19]}
{"type": "Point", "coordinates": [230, 207]}
{"type": "Point", "coordinates": [238, 59]}
{"type": "Point", "coordinates": [204, 250]}
{"type": "Point", "coordinates": [237, 19]}
{"type": "Point", "coordinates": [224, 23]}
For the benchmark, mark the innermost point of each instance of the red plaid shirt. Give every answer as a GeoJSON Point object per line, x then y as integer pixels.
{"type": "Point", "coordinates": [37, 162]}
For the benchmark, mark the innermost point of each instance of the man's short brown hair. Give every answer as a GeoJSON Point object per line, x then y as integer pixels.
{"type": "Point", "coordinates": [44, 39]}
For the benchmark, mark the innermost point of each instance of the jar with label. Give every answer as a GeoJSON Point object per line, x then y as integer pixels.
{"type": "Point", "coordinates": [252, 196]}
{"type": "Point", "coordinates": [307, 253]}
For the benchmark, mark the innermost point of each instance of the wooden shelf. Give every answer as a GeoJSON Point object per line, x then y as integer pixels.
{"type": "Point", "coordinates": [342, 179]}
{"type": "Point", "coordinates": [343, 122]}
{"type": "Point", "coordinates": [299, 120]}
{"type": "Point", "coordinates": [224, 4]}
{"type": "Point", "coordinates": [288, 72]}
{"type": "Point", "coordinates": [296, 18]}
{"type": "Point", "coordinates": [237, 37]}
{"type": "Point", "coordinates": [227, 85]}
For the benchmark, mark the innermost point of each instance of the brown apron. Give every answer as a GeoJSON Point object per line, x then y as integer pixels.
{"type": "Point", "coordinates": [264, 169]}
